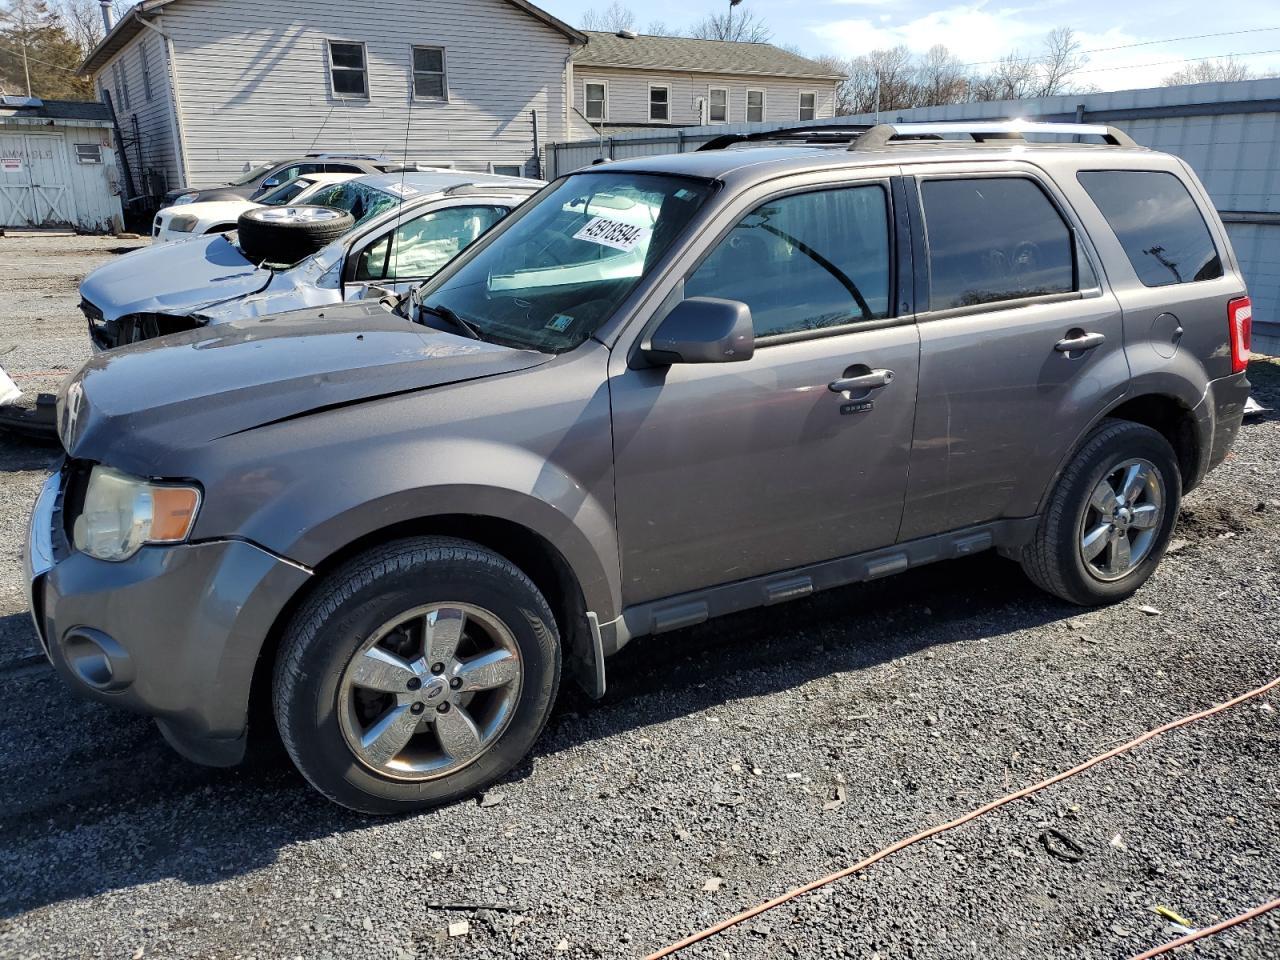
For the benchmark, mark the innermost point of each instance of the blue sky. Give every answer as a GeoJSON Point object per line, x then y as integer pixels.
{"type": "Point", "coordinates": [979, 31]}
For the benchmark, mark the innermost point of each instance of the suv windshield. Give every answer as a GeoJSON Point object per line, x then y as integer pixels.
{"type": "Point", "coordinates": [252, 175]}
{"type": "Point", "coordinates": [559, 271]}
{"type": "Point", "coordinates": [361, 201]}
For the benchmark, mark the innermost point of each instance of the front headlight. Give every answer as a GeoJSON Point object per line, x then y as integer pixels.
{"type": "Point", "coordinates": [185, 198]}
{"type": "Point", "coordinates": [122, 513]}
{"type": "Point", "coordinates": [183, 223]}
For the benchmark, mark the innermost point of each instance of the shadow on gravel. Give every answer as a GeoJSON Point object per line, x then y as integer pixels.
{"type": "Point", "coordinates": [19, 454]}
{"type": "Point", "coordinates": [92, 800]}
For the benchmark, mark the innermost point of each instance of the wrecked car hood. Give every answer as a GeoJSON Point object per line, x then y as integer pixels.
{"type": "Point", "coordinates": [135, 407]}
{"type": "Point", "coordinates": [173, 278]}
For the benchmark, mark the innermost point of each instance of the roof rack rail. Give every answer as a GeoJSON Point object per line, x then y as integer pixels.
{"type": "Point", "coordinates": [486, 186]}
{"type": "Point", "coordinates": [327, 155]}
{"type": "Point", "coordinates": [983, 130]}
{"type": "Point", "coordinates": [809, 133]}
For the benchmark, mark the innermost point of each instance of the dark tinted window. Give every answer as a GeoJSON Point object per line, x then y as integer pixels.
{"type": "Point", "coordinates": [1157, 223]}
{"type": "Point", "coordinates": [992, 239]}
{"type": "Point", "coordinates": [805, 262]}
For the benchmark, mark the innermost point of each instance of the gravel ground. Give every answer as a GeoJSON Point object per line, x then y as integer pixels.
{"type": "Point", "coordinates": [760, 751]}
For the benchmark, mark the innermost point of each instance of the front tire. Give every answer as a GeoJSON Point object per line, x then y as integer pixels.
{"type": "Point", "coordinates": [1109, 518]}
{"type": "Point", "coordinates": [416, 674]}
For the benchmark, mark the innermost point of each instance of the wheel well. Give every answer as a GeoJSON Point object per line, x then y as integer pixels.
{"type": "Point", "coordinates": [1174, 421]}
{"type": "Point", "coordinates": [221, 228]}
{"type": "Point", "coordinates": [538, 558]}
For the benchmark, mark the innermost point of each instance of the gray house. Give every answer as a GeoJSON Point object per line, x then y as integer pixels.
{"type": "Point", "coordinates": [203, 87]}
{"type": "Point", "coordinates": [627, 81]}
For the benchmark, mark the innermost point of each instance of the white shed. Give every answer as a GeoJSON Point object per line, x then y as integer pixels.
{"type": "Point", "coordinates": [58, 166]}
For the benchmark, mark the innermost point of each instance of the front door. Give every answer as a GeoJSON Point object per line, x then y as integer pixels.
{"type": "Point", "coordinates": [1020, 348]}
{"type": "Point", "coordinates": [52, 203]}
{"type": "Point", "coordinates": [727, 471]}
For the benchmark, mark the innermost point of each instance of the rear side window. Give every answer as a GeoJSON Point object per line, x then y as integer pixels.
{"type": "Point", "coordinates": [1158, 224]}
{"type": "Point", "coordinates": [994, 239]}
{"type": "Point", "coordinates": [805, 262]}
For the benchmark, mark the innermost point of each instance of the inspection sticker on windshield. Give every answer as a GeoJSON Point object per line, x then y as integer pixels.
{"type": "Point", "coordinates": [613, 233]}
{"type": "Point", "coordinates": [401, 189]}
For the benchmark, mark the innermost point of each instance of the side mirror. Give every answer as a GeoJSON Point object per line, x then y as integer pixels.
{"type": "Point", "coordinates": [704, 330]}
{"type": "Point", "coordinates": [270, 183]}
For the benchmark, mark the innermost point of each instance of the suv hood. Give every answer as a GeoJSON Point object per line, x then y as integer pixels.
{"type": "Point", "coordinates": [137, 406]}
{"type": "Point", "coordinates": [179, 278]}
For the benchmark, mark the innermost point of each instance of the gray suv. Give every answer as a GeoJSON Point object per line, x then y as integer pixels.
{"type": "Point", "coordinates": [661, 391]}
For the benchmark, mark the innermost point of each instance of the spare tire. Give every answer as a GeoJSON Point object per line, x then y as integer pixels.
{"type": "Point", "coordinates": [289, 234]}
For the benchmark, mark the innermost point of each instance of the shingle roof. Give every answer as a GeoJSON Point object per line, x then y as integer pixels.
{"type": "Point", "coordinates": [686, 54]}
{"type": "Point", "coordinates": [62, 110]}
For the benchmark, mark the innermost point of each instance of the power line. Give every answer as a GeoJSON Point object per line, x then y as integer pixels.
{"type": "Point", "coordinates": [18, 53]}
{"type": "Point", "coordinates": [1130, 46]}
{"type": "Point", "coordinates": [1168, 63]}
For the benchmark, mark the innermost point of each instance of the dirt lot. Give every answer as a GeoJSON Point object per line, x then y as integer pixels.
{"type": "Point", "coordinates": [762, 751]}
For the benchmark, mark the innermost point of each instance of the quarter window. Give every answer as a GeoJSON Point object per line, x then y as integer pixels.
{"type": "Point", "coordinates": [994, 239]}
{"type": "Point", "coordinates": [718, 105]}
{"type": "Point", "coordinates": [428, 74]}
{"type": "Point", "coordinates": [805, 262]}
{"type": "Point", "coordinates": [755, 106]}
{"type": "Point", "coordinates": [808, 105]}
{"type": "Point", "coordinates": [1158, 224]}
{"type": "Point", "coordinates": [595, 101]}
{"type": "Point", "coordinates": [659, 103]}
{"type": "Point", "coordinates": [347, 69]}
{"type": "Point", "coordinates": [417, 249]}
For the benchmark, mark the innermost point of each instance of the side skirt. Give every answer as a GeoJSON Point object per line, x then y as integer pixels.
{"type": "Point", "coordinates": [698, 606]}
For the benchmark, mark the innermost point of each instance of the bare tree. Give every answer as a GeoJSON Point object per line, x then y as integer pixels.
{"type": "Point", "coordinates": [83, 19]}
{"type": "Point", "coordinates": [1210, 71]}
{"type": "Point", "coordinates": [1061, 61]}
{"type": "Point", "coordinates": [742, 26]}
{"type": "Point", "coordinates": [941, 78]}
{"type": "Point", "coordinates": [659, 28]}
{"type": "Point", "coordinates": [612, 18]}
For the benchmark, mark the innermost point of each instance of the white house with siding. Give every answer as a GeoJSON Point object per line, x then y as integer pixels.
{"type": "Point", "coordinates": [205, 87]}
{"type": "Point", "coordinates": [624, 81]}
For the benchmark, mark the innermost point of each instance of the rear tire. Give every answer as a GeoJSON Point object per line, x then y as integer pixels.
{"type": "Point", "coordinates": [288, 234]}
{"type": "Point", "coordinates": [1109, 518]}
{"type": "Point", "coordinates": [416, 674]}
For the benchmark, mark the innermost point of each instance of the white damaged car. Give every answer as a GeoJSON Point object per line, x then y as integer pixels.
{"type": "Point", "coordinates": [384, 233]}
{"type": "Point", "coordinates": [185, 221]}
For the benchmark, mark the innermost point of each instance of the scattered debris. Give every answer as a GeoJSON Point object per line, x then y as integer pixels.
{"type": "Point", "coordinates": [459, 928]}
{"type": "Point", "coordinates": [837, 799]}
{"type": "Point", "coordinates": [1149, 610]}
{"type": "Point", "coordinates": [712, 884]}
{"type": "Point", "coordinates": [1177, 546]}
{"type": "Point", "coordinates": [492, 799]}
{"type": "Point", "coordinates": [562, 946]}
{"type": "Point", "coordinates": [1253, 409]}
{"type": "Point", "coordinates": [1118, 842]}
{"type": "Point", "coordinates": [1058, 844]}
{"type": "Point", "coordinates": [1172, 915]}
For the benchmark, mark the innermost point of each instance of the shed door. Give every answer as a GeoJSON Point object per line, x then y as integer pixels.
{"type": "Point", "coordinates": [35, 187]}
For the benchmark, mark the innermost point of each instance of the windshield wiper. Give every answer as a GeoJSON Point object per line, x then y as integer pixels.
{"type": "Point", "coordinates": [444, 313]}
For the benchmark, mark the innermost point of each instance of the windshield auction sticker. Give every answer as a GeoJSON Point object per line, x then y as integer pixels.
{"type": "Point", "coordinates": [613, 233]}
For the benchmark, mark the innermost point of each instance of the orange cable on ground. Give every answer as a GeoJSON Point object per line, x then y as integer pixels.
{"type": "Point", "coordinates": [951, 825]}
{"type": "Point", "coordinates": [1208, 931]}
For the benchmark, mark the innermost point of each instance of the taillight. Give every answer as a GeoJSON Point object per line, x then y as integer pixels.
{"type": "Point", "coordinates": [1240, 325]}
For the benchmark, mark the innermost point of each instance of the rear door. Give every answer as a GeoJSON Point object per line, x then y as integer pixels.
{"type": "Point", "coordinates": [1020, 347]}
{"type": "Point", "coordinates": [727, 471]}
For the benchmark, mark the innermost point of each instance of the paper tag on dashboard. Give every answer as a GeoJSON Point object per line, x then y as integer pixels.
{"type": "Point", "coordinates": [613, 233]}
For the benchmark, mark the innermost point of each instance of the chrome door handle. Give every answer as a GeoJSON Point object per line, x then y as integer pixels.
{"type": "Point", "coordinates": [867, 381]}
{"type": "Point", "coordinates": [1083, 341]}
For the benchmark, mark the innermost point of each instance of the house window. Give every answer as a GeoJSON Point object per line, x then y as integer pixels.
{"type": "Point", "coordinates": [659, 102]}
{"type": "Point", "coordinates": [428, 74]}
{"type": "Point", "coordinates": [144, 54]}
{"type": "Point", "coordinates": [122, 85]}
{"type": "Point", "coordinates": [347, 69]}
{"type": "Point", "coordinates": [718, 105]}
{"type": "Point", "coordinates": [507, 169]}
{"type": "Point", "coordinates": [808, 105]}
{"type": "Point", "coordinates": [596, 101]}
{"type": "Point", "coordinates": [755, 106]}
{"type": "Point", "coordinates": [88, 153]}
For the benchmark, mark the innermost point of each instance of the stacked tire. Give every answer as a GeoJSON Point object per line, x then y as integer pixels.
{"type": "Point", "coordinates": [286, 235]}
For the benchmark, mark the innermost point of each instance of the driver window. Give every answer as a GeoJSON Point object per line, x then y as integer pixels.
{"type": "Point", "coordinates": [805, 262]}
{"type": "Point", "coordinates": [993, 239]}
{"type": "Point", "coordinates": [419, 247]}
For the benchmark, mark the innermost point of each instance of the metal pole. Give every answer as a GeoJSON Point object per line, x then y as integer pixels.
{"type": "Point", "coordinates": [25, 68]}
{"type": "Point", "coordinates": [537, 151]}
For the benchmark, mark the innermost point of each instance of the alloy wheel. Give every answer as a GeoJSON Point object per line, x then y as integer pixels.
{"type": "Point", "coordinates": [1122, 520]}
